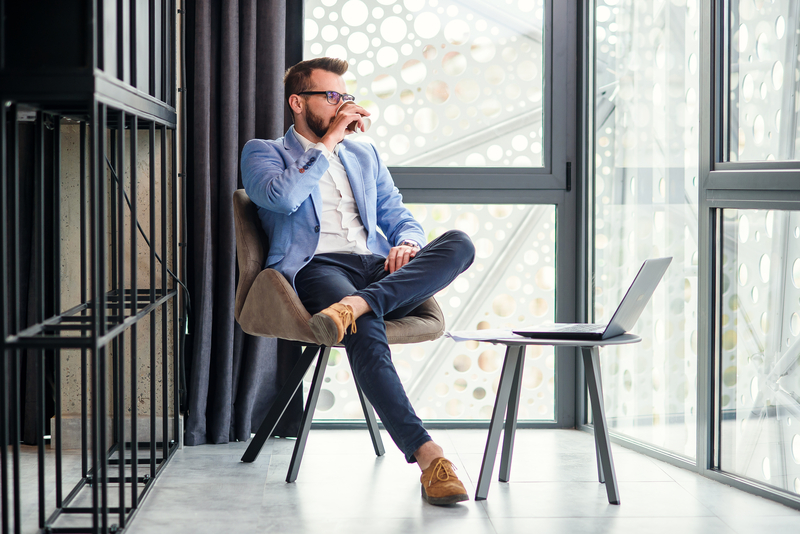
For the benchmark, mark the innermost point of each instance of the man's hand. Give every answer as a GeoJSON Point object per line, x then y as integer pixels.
{"type": "Point", "coordinates": [399, 256]}
{"type": "Point", "coordinates": [346, 115]}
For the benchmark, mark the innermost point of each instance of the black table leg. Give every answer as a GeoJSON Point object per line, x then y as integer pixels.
{"type": "Point", "coordinates": [308, 415]}
{"type": "Point", "coordinates": [501, 402]}
{"type": "Point", "coordinates": [281, 402]}
{"type": "Point", "coordinates": [511, 420]}
{"type": "Point", "coordinates": [591, 361]}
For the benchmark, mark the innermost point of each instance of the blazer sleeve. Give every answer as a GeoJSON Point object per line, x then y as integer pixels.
{"type": "Point", "coordinates": [394, 218]}
{"type": "Point", "coordinates": [278, 185]}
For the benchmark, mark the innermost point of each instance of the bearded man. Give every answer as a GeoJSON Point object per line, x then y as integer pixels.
{"type": "Point", "coordinates": [321, 200]}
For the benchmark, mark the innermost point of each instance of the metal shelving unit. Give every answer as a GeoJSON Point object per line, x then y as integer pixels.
{"type": "Point", "coordinates": [109, 67]}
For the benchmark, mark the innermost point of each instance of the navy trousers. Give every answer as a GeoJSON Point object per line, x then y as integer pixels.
{"type": "Point", "coordinates": [330, 277]}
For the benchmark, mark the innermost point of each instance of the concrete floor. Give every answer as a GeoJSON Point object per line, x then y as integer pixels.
{"type": "Point", "coordinates": [344, 488]}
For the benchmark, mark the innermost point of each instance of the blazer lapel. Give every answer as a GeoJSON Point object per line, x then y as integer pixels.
{"type": "Point", "coordinates": [295, 149]}
{"type": "Point", "coordinates": [356, 179]}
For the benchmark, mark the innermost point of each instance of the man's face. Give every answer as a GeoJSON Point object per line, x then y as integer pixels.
{"type": "Point", "coordinates": [318, 113]}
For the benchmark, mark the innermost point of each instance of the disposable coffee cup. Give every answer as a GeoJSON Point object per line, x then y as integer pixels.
{"type": "Point", "coordinates": [353, 126]}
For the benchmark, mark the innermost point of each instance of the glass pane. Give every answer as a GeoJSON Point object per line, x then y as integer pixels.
{"type": "Point", "coordinates": [448, 83]}
{"type": "Point", "coordinates": [510, 284]}
{"type": "Point", "coordinates": [763, 80]}
{"type": "Point", "coordinates": [645, 192]}
{"type": "Point", "coordinates": [760, 391]}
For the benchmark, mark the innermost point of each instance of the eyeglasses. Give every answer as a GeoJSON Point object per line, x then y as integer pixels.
{"type": "Point", "coordinates": [332, 96]}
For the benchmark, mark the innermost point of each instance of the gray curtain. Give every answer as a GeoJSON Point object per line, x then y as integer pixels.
{"type": "Point", "coordinates": [29, 263]}
{"type": "Point", "coordinates": [237, 53]}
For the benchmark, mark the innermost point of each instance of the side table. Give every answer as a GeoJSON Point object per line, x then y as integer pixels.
{"type": "Point", "coordinates": [508, 393]}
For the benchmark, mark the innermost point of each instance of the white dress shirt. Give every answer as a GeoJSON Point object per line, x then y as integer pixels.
{"type": "Point", "coordinates": [341, 229]}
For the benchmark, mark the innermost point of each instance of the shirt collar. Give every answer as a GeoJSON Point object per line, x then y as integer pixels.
{"type": "Point", "coordinates": [307, 143]}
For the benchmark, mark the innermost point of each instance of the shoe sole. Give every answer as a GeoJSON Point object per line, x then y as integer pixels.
{"type": "Point", "coordinates": [324, 329]}
{"type": "Point", "coordinates": [440, 501]}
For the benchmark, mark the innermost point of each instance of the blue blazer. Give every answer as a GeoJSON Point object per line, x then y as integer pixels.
{"type": "Point", "coordinates": [283, 181]}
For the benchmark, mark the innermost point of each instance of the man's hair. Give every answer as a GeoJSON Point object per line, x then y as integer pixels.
{"type": "Point", "coordinates": [297, 78]}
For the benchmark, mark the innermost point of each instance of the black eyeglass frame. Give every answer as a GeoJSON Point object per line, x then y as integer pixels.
{"type": "Point", "coordinates": [331, 94]}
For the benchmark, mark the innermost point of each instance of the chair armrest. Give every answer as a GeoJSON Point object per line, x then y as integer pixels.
{"type": "Point", "coordinates": [273, 309]}
{"type": "Point", "coordinates": [424, 323]}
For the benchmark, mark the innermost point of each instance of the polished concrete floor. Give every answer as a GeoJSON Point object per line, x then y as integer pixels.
{"type": "Point", "coordinates": [344, 488]}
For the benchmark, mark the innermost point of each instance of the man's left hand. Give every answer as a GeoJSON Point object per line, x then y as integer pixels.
{"type": "Point", "coordinates": [399, 256]}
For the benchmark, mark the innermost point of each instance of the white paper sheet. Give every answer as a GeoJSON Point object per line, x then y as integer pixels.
{"type": "Point", "coordinates": [479, 335]}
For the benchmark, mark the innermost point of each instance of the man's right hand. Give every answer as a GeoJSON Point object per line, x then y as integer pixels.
{"type": "Point", "coordinates": [347, 114]}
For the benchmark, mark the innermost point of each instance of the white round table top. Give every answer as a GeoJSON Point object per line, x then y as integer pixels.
{"type": "Point", "coordinates": [622, 339]}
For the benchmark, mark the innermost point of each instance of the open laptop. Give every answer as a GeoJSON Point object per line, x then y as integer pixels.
{"type": "Point", "coordinates": [628, 312]}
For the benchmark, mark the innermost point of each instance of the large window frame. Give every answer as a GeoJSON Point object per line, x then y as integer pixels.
{"type": "Point", "coordinates": [550, 184]}
{"type": "Point", "coordinates": [722, 185]}
{"type": "Point", "coordinates": [587, 125]}
{"type": "Point", "coordinates": [733, 185]}
{"type": "Point", "coordinates": [726, 185]}
{"type": "Point", "coordinates": [520, 185]}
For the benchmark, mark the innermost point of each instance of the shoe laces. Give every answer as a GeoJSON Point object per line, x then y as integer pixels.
{"type": "Point", "coordinates": [442, 470]}
{"type": "Point", "coordinates": [348, 318]}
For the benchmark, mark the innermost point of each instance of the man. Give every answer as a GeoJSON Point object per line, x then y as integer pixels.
{"type": "Point", "coordinates": [321, 200]}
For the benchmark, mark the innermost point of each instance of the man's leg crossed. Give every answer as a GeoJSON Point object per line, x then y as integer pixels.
{"type": "Point", "coordinates": [326, 280]}
{"type": "Point", "coordinates": [370, 357]}
{"type": "Point", "coordinates": [431, 270]}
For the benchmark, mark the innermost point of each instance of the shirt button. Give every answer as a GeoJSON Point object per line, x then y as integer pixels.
{"type": "Point", "coordinates": [316, 228]}
{"type": "Point", "coordinates": [302, 171]}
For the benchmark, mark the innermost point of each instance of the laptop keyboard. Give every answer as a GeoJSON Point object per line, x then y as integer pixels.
{"type": "Point", "coordinates": [582, 328]}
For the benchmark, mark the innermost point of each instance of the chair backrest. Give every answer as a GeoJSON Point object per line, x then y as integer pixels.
{"type": "Point", "coordinates": [251, 245]}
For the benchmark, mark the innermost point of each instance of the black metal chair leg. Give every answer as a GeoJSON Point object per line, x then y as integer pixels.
{"type": "Point", "coordinates": [500, 403]}
{"type": "Point", "coordinates": [511, 420]}
{"type": "Point", "coordinates": [281, 402]}
{"type": "Point", "coordinates": [372, 422]}
{"type": "Point", "coordinates": [308, 415]}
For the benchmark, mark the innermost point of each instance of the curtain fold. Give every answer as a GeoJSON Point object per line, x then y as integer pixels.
{"type": "Point", "coordinates": [236, 57]}
{"type": "Point", "coordinates": [29, 262]}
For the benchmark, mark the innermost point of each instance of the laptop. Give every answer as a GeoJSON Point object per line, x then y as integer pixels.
{"type": "Point", "coordinates": [626, 315]}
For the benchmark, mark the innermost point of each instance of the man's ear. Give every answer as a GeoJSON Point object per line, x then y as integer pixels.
{"type": "Point", "coordinates": [296, 104]}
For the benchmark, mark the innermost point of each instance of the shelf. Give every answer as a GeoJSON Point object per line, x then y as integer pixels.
{"type": "Point", "coordinates": [73, 328]}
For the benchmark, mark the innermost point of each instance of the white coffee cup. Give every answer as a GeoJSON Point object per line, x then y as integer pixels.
{"type": "Point", "coordinates": [353, 126]}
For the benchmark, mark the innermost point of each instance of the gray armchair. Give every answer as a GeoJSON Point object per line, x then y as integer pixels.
{"type": "Point", "coordinates": [267, 306]}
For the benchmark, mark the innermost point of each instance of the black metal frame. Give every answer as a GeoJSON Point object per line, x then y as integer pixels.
{"type": "Point", "coordinates": [105, 105]}
{"type": "Point", "coordinates": [285, 395]}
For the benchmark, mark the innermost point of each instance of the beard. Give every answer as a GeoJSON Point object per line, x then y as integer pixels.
{"type": "Point", "coordinates": [317, 124]}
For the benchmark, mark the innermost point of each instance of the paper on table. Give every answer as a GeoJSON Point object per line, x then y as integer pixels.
{"type": "Point", "coordinates": [477, 335]}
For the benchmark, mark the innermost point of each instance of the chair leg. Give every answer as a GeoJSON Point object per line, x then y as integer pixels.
{"type": "Point", "coordinates": [372, 422]}
{"type": "Point", "coordinates": [308, 414]}
{"type": "Point", "coordinates": [511, 420]}
{"type": "Point", "coordinates": [281, 402]}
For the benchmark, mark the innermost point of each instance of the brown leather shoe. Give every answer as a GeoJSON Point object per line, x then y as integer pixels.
{"type": "Point", "coordinates": [440, 485]}
{"type": "Point", "coordinates": [330, 325]}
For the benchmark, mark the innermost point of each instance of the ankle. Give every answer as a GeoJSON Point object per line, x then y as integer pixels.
{"type": "Point", "coordinates": [427, 453]}
{"type": "Point", "coordinates": [358, 304]}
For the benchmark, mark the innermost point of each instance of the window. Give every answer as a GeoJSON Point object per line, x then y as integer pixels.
{"type": "Point", "coordinates": [645, 206]}
{"type": "Point", "coordinates": [460, 99]}
{"type": "Point", "coordinates": [447, 83]}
